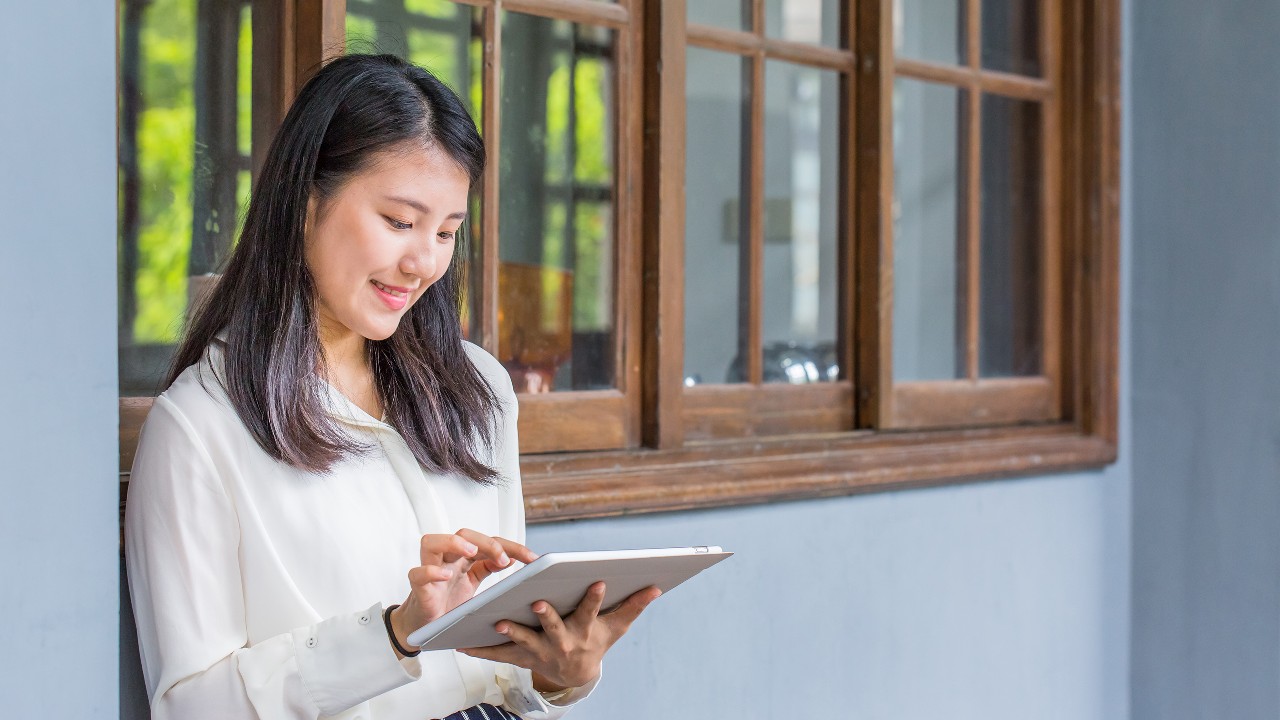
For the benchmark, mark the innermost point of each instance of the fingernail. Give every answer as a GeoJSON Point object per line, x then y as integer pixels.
{"type": "Point", "coordinates": [503, 560]}
{"type": "Point", "coordinates": [447, 572]}
{"type": "Point", "coordinates": [469, 547]}
{"type": "Point", "coordinates": [502, 629]}
{"type": "Point", "coordinates": [539, 608]}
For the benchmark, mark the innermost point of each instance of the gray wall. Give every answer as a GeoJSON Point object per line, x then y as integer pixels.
{"type": "Point", "coordinates": [997, 600]}
{"type": "Point", "coordinates": [1206, 401]}
{"type": "Point", "coordinates": [59, 512]}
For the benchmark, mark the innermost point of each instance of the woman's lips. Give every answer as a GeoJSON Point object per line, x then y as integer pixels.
{"type": "Point", "coordinates": [394, 297]}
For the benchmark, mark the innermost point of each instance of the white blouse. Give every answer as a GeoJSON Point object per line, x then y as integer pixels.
{"type": "Point", "coordinates": [258, 588]}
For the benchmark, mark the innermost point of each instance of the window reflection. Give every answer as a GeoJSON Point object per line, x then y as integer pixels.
{"type": "Point", "coordinates": [556, 281]}
{"type": "Point", "coordinates": [816, 22]}
{"type": "Point", "coordinates": [184, 166]}
{"type": "Point", "coordinates": [716, 219]}
{"type": "Point", "coordinates": [928, 231]}
{"type": "Point", "coordinates": [800, 218]}
{"type": "Point", "coordinates": [1010, 327]}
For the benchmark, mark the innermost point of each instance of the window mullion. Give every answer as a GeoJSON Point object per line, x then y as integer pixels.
{"type": "Point", "coordinates": [490, 121]}
{"type": "Point", "coordinates": [751, 278]}
{"type": "Point", "coordinates": [662, 234]}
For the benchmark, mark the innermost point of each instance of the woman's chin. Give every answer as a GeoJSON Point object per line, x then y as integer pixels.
{"type": "Point", "coordinates": [378, 332]}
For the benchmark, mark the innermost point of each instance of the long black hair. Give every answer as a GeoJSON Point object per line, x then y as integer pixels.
{"type": "Point", "coordinates": [354, 108]}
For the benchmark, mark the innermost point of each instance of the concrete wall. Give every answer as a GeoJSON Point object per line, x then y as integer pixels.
{"type": "Point", "coordinates": [58, 437]}
{"type": "Point", "coordinates": [1206, 400]}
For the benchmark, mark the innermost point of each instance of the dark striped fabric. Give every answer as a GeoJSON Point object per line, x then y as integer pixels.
{"type": "Point", "coordinates": [483, 711]}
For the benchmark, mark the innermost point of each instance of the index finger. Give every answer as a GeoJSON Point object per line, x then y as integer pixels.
{"type": "Point", "coordinates": [498, 549]}
{"type": "Point", "coordinates": [441, 549]}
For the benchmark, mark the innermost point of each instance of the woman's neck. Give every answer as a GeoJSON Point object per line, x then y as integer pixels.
{"type": "Point", "coordinates": [346, 366]}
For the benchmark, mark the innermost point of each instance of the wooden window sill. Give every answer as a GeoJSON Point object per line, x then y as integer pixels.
{"type": "Point", "coordinates": [719, 474]}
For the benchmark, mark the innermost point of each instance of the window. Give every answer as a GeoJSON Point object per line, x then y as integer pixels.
{"type": "Point", "coordinates": [184, 166]}
{"type": "Point", "coordinates": [741, 251]}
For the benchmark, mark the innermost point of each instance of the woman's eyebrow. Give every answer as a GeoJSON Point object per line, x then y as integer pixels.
{"type": "Point", "coordinates": [423, 208]}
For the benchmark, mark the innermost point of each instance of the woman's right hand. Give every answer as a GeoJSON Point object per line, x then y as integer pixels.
{"type": "Point", "coordinates": [453, 566]}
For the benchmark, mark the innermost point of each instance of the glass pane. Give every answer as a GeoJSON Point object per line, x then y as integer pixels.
{"type": "Point", "coordinates": [555, 277]}
{"type": "Point", "coordinates": [717, 98]}
{"type": "Point", "coordinates": [184, 165]}
{"type": "Point", "coordinates": [1011, 36]}
{"type": "Point", "coordinates": [731, 14]}
{"type": "Point", "coordinates": [930, 30]}
{"type": "Point", "coordinates": [928, 236]}
{"type": "Point", "coordinates": [1010, 321]}
{"type": "Point", "coordinates": [808, 21]}
{"type": "Point", "coordinates": [801, 171]}
{"type": "Point", "coordinates": [439, 35]}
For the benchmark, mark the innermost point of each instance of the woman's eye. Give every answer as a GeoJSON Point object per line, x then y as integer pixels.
{"type": "Point", "coordinates": [446, 235]}
{"type": "Point", "coordinates": [399, 224]}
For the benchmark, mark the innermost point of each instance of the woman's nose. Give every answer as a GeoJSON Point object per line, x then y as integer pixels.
{"type": "Point", "coordinates": [420, 261]}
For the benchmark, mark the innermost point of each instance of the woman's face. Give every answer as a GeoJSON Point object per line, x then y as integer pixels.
{"type": "Point", "coordinates": [376, 246]}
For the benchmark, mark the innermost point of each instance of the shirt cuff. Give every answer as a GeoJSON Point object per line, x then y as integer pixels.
{"type": "Point", "coordinates": [533, 705]}
{"type": "Point", "coordinates": [348, 659]}
{"type": "Point", "coordinates": [574, 695]}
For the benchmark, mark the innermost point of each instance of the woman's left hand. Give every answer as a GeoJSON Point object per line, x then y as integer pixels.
{"type": "Point", "coordinates": [567, 652]}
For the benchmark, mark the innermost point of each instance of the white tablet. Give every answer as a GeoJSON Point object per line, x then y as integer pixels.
{"type": "Point", "coordinates": [561, 579]}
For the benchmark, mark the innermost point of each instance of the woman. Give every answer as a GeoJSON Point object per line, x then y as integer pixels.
{"type": "Point", "coordinates": [328, 443]}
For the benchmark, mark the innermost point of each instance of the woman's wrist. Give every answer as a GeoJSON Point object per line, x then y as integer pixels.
{"type": "Point", "coordinates": [397, 634]}
{"type": "Point", "coordinates": [545, 686]}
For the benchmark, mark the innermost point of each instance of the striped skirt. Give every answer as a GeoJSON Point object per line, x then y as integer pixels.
{"type": "Point", "coordinates": [483, 711]}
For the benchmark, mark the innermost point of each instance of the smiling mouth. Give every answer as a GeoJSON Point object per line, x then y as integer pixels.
{"type": "Point", "coordinates": [392, 291]}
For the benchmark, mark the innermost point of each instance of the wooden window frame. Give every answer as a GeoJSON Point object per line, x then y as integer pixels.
{"type": "Point", "coordinates": [660, 471]}
{"type": "Point", "coordinates": [753, 408]}
{"type": "Point", "coordinates": [971, 400]}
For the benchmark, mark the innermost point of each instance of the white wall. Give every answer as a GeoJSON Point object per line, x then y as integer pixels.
{"type": "Point", "coordinates": [59, 513]}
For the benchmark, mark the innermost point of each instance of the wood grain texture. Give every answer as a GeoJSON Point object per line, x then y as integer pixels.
{"type": "Point", "coordinates": [319, 35]}
{"type": "Point", "coordinates": [490, 225]}
{"type": "Point", "coordinates": [741, 474]}
{"type": "Point", "coordinates": [662, 235]}
{"type": "Point", "coordinates": [749, 43]}
{"type": "Point", "coordinates": [991, 81]}
{"type": "Point", "coordinates": [628, 217]}
{"type": "Point", "coordinates": [583, 11]}
{"type": "Point", "coordinates": [969, 403]}
{"type": "Point", "coordinates": [752, 411]}
{"type": "Point", "coordinates": [273, 83]}
{"type": "Point", "coordinates": [573, 421]}
{"type": "Point", "coordinates": [873, 242]}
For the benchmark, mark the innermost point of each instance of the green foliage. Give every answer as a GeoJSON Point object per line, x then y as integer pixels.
{"type": "Point", "coordinates": [166, 137]}
{"type": "Point", "coordinates": [432, 8]}
{"type": "Point", "coordinates": [166, 151]}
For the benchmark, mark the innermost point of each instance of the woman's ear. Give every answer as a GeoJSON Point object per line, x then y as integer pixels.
{"type": "Point", "coordinates": [312, 206]}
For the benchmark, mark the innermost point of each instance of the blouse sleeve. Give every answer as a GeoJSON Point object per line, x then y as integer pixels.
{"type": "Point", "coordinates": [516, 682]}
{"type": "Point", "coordinates": [182, 557]}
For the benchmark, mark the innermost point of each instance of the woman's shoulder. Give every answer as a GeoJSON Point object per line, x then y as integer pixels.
{"type": "Point", "coordinates": [197, 396]}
